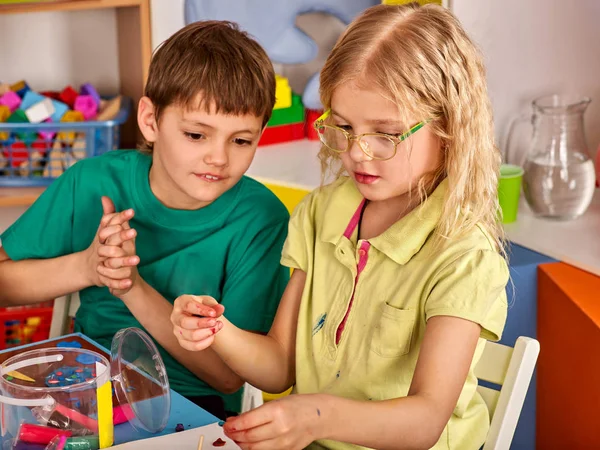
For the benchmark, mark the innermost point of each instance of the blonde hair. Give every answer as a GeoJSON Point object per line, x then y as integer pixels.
{"type": "Point", "coordinates": [421, 58]}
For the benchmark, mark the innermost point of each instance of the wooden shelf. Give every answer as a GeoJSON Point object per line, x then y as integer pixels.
{"type": "Point", "coordinates": [134, 42]}
{"type": "Point", "coordinates": [70, 5]}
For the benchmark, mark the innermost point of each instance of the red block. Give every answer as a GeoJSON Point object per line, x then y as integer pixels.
{"type": "Point", "coordinates": [68, 96]}
{"type": "Point", "coordinates": [51, 94]}
{"type": "Point", "coordinates": [20, 152]}
{"type": "Point", "coordinates": [282, 133]}
{"type": "Point", "coordinates": [311, 116]}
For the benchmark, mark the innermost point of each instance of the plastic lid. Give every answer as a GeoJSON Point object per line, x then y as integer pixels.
{"type": "Point", "coordinates": [140, 380]}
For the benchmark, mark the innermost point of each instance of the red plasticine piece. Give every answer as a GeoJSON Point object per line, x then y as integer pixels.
{"type": "Point", "coordinates": [219, 443]}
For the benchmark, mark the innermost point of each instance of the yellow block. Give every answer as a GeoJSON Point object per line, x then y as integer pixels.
{"type": "Point", "coordinates": [283, 93]}
{"type": "Point", "coordinates": [4, 114]}
{"type": "Point", "coordinates": [17, 86]}
{"type": "Point", "coordinates": [68, 137]}
{"type": "Point", "coordinates": [290, 196]}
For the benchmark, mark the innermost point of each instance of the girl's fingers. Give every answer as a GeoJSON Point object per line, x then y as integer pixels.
{"type": "Point", "coordinates": [123, 273]}
{"type": "Point", "coordinates": [115, 284]}
{"type": "Point", "coordinates": [111, 251]}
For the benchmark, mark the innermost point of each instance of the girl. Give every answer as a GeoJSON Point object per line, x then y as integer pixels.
{"type": "Point", "coordinates": [399, 274]}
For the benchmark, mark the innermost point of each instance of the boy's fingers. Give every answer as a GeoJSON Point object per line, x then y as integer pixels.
{"type": "Point", "coordinates": [194, 323]}
{"type": "Point", "coordinates": [108, 231]}
{"type": "Point", "coordinates": [124, 273]}
{"type": "Point", "coordinates": [127, 261]}
{"type": "Point", "coordinates": [115, 284]}
{"type": "Point", "coordinates": [122, 217]}
{"type": "Point", "coordinates": [120, 237]}
{"type": "Point", "coordinates": [111, 251]}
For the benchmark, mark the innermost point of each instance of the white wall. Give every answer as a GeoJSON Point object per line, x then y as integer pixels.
{"type": "Point", "coordinates": [53, 49]}
{"type": "Point", "coordinates": [537, 47]}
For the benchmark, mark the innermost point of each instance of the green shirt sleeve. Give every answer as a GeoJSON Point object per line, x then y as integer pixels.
{"type": "Point", "coordinates": [45, 230]}
{"type": "Point", "coordinates": [255, 284]}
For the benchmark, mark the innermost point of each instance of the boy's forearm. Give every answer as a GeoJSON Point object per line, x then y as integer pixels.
{"type": "Point", "coordinates": [258, 359]}
{"type": "Point", "coordinates": [152, 310]}
{"type": "Point", "coordinates": [38, 280]}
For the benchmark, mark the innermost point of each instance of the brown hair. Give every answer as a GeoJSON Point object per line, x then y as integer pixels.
{"type": "Point", "coordinates": [422, 59]}
{"type": "Point", "coordinates": [214, 58]}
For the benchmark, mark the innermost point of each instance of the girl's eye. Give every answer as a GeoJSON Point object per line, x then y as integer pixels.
{"type": "Point", "coordinates": [194, 136]}
{"type": "Point", "coordinates": [345, 127]}
{"type": "Point", "coordinates": [242, 142]}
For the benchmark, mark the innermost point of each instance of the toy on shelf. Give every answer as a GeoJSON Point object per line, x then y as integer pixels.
{"type": "Point", "coordinates": [37, 144]}
{"type": "Point", "coordinates": [79, 392]}
{"type": "Point", "coordinates": [311, 116]}
{"type": "Point", "coordinates": [286, 124]}
{"type": "Point", "coordinates": [283, 93]}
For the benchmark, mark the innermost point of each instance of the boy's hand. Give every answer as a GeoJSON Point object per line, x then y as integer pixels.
{"type": "Point", "coordinates": [117, 269]}
{"type": "Point", "coordinates": [195, 321]}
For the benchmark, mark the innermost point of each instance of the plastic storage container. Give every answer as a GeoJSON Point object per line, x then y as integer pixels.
{"type": "Point", "coordinates": [37, 154]}
{"type": "Point", "coordinates": [54, 392]}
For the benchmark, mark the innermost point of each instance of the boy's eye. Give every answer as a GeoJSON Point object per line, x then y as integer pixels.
{"type": "Point", "coordinates": [194, 136]}
{"type": "Point", "coordinates": [242, 142]}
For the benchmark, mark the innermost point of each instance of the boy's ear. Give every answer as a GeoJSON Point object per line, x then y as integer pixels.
{"type": "Point", "coordinates": [147, 119]}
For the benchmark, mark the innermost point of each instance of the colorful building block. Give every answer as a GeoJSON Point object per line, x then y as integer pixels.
{"type": "Point", "coordinates": [54, 167]}
{"type": "Point", "coordinates": [19, 116]}
{"type": "Point", "coordinates": [68, 137]}
{"type": "Point", "coordinates": [20, 87]}
{"type": "Point", "coordinates": [47, 135]}
{"type": "Point", "coordinates": [60, 109]}
{"type": "Point", "coordinates": [282, 133]}
{"type": "Point", "coordinates": [87, 106]}
{"type": "Point", "coordinates": [109, 108]}
{"type": "Point", "coordinates": [88, 89]}
{"type": "Point", "coordinates": [4, 113]}
{"type": "Point", "coordinates": [10, 99]}
{"type": "Point", "coordinates": [68, 96]}
{"type": "Point", "coordinates": [311, 116]}
{"type": "Point", "coordinates": [283, 93]}
{"type": "Point", "coordinates": [4, 88]}
{"type": "Point", "coordinates": [30, 99]}
{"type": "Point", "coordinates": [41, 111]}
{"type": "Point", "coordinates": [285, 116]}
{"type": "Point", "coordinates": [51, 94]}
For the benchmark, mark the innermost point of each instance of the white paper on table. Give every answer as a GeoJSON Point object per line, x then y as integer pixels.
{"type": "Point", "coordinates": [184, 440]}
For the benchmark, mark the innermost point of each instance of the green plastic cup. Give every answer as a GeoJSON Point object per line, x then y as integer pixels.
{"type": "Point", "coordinates": [509, 191]}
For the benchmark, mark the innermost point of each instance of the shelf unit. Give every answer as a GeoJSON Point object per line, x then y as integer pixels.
{"type": "Point", "coordinates": [133, 39]}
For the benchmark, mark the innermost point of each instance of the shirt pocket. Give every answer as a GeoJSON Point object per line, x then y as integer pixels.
{"type": "Point", "coordinates": [393, 333]}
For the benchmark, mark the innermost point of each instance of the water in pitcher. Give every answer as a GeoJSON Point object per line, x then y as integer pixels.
{"type": "Point", "coordinates": [559, 191]}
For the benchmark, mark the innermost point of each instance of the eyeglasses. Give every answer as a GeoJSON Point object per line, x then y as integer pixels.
{"type": "Point", "coordinates": [381, 146]}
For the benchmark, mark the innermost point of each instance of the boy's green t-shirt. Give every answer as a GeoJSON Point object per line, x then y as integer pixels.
{"type": "Point", "coordinates": [229, 249]}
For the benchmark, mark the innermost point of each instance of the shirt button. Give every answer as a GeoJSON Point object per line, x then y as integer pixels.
{"type": "Point", "coordinates": [361, 252]}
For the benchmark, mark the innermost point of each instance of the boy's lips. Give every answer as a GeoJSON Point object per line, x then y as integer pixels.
{"type": "Point", "coordinates": [210, 177]}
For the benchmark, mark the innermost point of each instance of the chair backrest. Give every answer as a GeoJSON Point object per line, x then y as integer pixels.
{"type": "Point", "coordinates": [63, 312]}
{"type": "Point", "coordinates": [512, 369]}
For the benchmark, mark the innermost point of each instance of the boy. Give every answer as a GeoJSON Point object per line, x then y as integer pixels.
{"type": "Point", "coordinates": [199, 224]}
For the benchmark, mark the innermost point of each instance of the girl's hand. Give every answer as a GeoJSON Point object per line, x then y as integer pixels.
{"type": "Point", "coordinates": [195, 321]}
{"type": "Point", "coordinates": [292, 423]}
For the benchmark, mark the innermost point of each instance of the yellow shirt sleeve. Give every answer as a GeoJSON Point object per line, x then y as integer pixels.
{"type": "Point", "coordinates": [300, 243]}
{"type": "Point", "coordinates": [472, 287]}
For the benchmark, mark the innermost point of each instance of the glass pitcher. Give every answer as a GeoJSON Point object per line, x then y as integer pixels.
{"type": "Point", "coordinates": [559, 179]}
